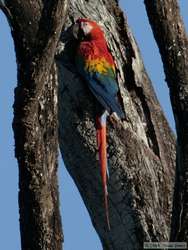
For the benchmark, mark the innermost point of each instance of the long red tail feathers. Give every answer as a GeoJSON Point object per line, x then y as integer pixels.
{"type": "Point", "coordinates": [101, 142]}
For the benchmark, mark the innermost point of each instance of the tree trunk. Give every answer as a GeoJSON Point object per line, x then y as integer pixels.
{"type": "Point", "coordinates": [141, 150]}
{"type": "Point", "coordinates": [36, 28]}
{"type": "Point", "coordinates": [170, 34]}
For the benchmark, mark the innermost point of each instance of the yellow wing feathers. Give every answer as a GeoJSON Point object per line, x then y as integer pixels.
{"type": "Point", "coordinates": [99, 65]}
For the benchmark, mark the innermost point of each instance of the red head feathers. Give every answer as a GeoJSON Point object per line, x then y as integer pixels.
{"type": "Point", "coordinates": [91, 30]}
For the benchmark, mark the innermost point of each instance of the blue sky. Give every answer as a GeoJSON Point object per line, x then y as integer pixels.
{"type": "Point", "coordinates": [74, 214]}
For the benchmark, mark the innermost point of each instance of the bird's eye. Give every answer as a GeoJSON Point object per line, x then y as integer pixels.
{"type": "Point", "coordinates": [86, 28]}
{"type": "Point", "coordinates": [85, 24]}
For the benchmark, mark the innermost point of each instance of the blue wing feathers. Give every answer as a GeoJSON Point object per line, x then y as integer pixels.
{"type": "Point", "coordinates": [106, 95]}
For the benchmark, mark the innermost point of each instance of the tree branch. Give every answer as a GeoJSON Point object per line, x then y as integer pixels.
{"type": "Point", "coordinates": [170, 35]}
{"type": "Point", "coordinates": [35, 121]}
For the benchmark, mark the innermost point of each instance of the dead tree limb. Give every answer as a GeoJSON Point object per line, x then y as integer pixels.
{"type": "Point", "coordinates": [170, 35]}
{"type": "Point", "coordinates": [36, 27]}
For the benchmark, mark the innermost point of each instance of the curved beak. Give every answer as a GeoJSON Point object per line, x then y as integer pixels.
{"type": "Point", "coordinates": [75, 30]}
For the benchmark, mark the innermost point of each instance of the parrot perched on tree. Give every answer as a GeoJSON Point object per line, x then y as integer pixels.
{"type": "Point", "coordinates": [95, 64]}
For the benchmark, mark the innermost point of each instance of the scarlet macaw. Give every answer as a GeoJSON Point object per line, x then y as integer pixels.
{"type": "Point", "coordinates": [95, 64]}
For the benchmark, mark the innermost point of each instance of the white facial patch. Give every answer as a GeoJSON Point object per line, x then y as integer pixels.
{"type": "Point", "coordinates": [86, 27]}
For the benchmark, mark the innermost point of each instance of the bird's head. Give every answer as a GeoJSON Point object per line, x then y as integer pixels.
{"type": "Point", "coordinates": [85, 29]}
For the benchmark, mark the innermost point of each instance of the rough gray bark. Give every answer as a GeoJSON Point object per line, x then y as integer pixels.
{"type": "Point", "coordinates": [36, 27]}
{"type": "Point", "coordinates": [141, 149]}
{"type": "Point", "coordinates": [170, 34]}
